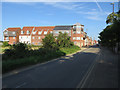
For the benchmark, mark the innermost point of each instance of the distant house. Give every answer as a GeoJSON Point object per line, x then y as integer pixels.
{"type": "Point", "coordinates": [11, 35]}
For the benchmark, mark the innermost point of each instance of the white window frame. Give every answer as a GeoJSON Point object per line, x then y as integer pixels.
{"type": "Point", "coordinates": [78, 38]}
{"type": "Point", "coordinates": [51, 31]}
{"type": "Point", "coordinates": [33, 37]}
{"type": "Point", "coordinates": [28, 32]}
{"type": "Point", "coordinates": [74, 38]}
{"type": "Point", "coordinates": [13, 32]}
{"type": "Point", "coordinates": [22, 32]}
{"type": "Point", "coordinates": [40, 32]}
{"type": "Point", "coordinates": [39, 38]}
{"type": "Point", "coordinates": [81, 38]}
{"type": "Point", "coordinates": [56, 32]}
{"type": "Point", "coordinates": [78, 32]}
{"type": "Point", "coordinates": [67, 31]}
{"type": "Point", "coordinates": [6, 32]}
{"type": "Point", "coordinates": [7, 38]}
{"type": "Point", "coordinates": [45, 32]}
{"type": "Point", "coordinates": [13, 37]}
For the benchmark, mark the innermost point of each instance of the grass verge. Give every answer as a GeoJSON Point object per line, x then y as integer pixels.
{"type": "Point", "coordinates": [8, 65]}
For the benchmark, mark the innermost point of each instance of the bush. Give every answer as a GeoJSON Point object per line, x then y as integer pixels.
{"type": "Point", "coordinates": [5, 44]}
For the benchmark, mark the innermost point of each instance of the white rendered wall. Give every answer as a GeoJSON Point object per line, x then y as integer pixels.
{"type": "Point", "coordinates": [25, 39]}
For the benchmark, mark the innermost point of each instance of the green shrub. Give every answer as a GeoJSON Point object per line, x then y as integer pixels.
{"type": "Point", "coordinates": [5, 44]}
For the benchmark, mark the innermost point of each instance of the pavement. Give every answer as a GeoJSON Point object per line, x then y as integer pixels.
{"type": "Point", "coordinates": [105, 71]}
{"type": "Point", "coordinates": [64, 72]}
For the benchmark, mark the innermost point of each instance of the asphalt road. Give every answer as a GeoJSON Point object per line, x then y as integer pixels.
{"type": "Point", "coordinates": [65, 72]}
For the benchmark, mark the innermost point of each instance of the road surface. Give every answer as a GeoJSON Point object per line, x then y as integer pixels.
{"type": "Point", "coordinates": [66, 72]}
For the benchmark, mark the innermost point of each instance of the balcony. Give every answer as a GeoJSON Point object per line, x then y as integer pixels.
{"type": "Point", "coordinates": [6, 40]}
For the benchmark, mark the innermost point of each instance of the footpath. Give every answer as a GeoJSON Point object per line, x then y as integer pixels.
{"type": "Point", "coordinates": [105, 71]}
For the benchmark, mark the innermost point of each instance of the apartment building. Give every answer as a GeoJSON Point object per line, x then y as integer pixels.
{"type": "Point", "coordinates": [34, 35]}
{"type": "Point", "coordinates": [11, 35]}
{"type": "Point", "coordinates": [75, 32]}
{"type": "Point", "coordinates": [39, 33]}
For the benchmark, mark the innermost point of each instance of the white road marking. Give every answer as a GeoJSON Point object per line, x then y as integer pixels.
{"type": "Point", "coordinates": [21, 85]}
{"type": "Point", "coordinates": [83, 81]}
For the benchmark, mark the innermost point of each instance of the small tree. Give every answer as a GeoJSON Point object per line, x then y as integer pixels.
{"type": "Point", "coordinates": [49, 42]}
{"type": "Point", "coordinates": [5, 44]}
{"type": "Point", "coordinates": [63, 40]}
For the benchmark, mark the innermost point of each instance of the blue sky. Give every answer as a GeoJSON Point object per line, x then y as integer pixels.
{"type": "Point", "coordinates": [90, 14]}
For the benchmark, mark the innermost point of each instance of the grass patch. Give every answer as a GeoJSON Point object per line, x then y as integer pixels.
{"type": "Point", "coordinates": [70, 50]}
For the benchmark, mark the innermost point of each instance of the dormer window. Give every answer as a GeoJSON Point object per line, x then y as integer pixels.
{"type": "Point", "coordinates": [78, 32]}
{"type": "Point", "coordinates": [22, 32]}
{"type": "Point", "coordinates": [40, 32]}
{"type": "Point", "coordinates": [13, 32]}
{"type": "Point", "coordinates": [45, 32]}
{"type": "Point", "coordinates": [28, 32]}
{"type": "Point", "coordinates": [34, 32]}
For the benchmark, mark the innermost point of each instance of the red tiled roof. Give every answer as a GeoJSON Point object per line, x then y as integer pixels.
{"type": "Point", "coordinates": [25, 30]}
{"type": "Point", "coordinates": [14, 29]}
{"type": "Point", "coordinates": [43, 28]}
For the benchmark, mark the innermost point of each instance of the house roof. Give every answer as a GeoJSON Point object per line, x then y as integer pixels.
{"type": "Point", "coordinates": [63, 27]}
{"type": "Point", "coordinates": [11, 30]}
{"type": "Point", "coordinates": [14, 29]}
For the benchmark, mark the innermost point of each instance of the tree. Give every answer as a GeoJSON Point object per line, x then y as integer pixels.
{"type": "Point", "coordinates": [49, 42]}
{"type": "Point", "coordinates": [111, 18]}
{"type": "Point", "coordinates": [63, 40]}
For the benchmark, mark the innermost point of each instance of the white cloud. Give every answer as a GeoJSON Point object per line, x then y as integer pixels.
{"type": "Point", "coordinates": [64, 5]}
{"type": "Point", "coordinates": [59, 0]}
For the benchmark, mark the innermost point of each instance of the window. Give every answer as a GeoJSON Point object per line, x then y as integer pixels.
{"type": "Point", "coordinates": [81, 38]}
{"type": "Point", "coordinates": [13, 32]}
{"type": "Point", "coordinates": [34, 32]}
{"type": "Point", "coordinates": [78, 32]}
{"type": "Point", "coordinates": [32, 42]}
{"type": "Point", "coordinates": [28, 32]}
{"type": "Point", "coordinates": [74, 32]}
{"type": "Point", "coordinates": [62, 31]}
{"type": "Point", "coordinates": [39, 43]}
{"type": "Point", "coordinates": [13, 37]}
{"type": "Point", "coordinates": [73, 38]}
{"type": "Point", "coordinates": [6, 32]}
{"type": "Point", "coordinates": [78, 38]}
{"type": "Point", "coordinates": [13, 42]}
{"type": "Point", "coordinates": [75, 42]}
{"type": "Point", "coordinates": [51, 31]}
{"type": "Point", "coordinates": [22, 32]}
{"type": "Point", "coordinates": [56, 32]}
{"type": "Point", "coordinates": [45, 32]}
{"type": "Point", "coordinates": [67, 31]}
{"type": "Point", "coordinates": [7, 38]}
{"type": "Point", "coordinates": [38, 37]}
{"type": "Point", "coordinates": [40, 32]}
{"type": "Point", "coordinates": [33, 37]}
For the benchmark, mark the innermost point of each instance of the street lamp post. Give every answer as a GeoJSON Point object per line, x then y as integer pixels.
{"type": "Point", "coordinates": [113, 6]}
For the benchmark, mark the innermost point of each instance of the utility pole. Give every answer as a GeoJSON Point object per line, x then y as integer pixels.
{"type": "Point", "coordinates": [113, 6]}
